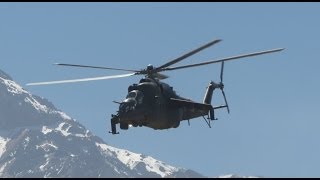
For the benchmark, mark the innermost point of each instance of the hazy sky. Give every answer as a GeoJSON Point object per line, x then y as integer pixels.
{"type": "Point", "coordinates": [273, 127]}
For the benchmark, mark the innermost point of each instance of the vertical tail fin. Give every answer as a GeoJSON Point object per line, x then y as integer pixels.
{"type": "Point", "coordinates": [208, 94]}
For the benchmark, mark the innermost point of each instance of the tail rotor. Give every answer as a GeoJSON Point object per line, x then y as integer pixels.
{"type": "Point", "coordinates": [221, 86]}
{"type": "Point", "coordinates": [208, 96]}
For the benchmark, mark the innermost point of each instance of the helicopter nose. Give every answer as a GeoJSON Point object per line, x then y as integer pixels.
{"type": "Point", "coordinates": [127, 105]}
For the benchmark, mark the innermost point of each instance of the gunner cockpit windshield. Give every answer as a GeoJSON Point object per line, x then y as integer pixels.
{"type": "Point", "coordinates": [135, 94]}
{"type": "Point", "coordinates": [133, 99]}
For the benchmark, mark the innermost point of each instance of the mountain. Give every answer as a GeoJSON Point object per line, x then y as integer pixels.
{"type": "Point", "coordinates": [39, 140]}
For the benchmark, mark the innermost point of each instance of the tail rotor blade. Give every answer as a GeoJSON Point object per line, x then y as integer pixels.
{"type": "Point", "coordinates": [225, 100]}
{"type": "Point", "coordinates": [222, 86]}
{"type": "Point", "coordinates": [221, 72]}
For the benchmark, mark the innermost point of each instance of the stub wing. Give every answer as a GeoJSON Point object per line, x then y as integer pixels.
{"type": "Point", "coordinates": [191, 109]}
{"type": "Point", "coordinates": [190, 104]}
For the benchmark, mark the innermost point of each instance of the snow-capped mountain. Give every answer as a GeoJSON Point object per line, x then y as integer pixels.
{"type": "Point", "coordinates": [38, 140]}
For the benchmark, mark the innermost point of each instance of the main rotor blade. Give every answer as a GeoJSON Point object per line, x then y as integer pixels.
{"type": "Point", "coordinates": [160, 76]}
{"type": "Point", "coordinates": [97, 67]}
{"type": "Point", "coordinates": [224, 59]}
{"type": "Point", "coordinates": [189, 54]}
{"type": "Point", "coordinates": [81, 80]}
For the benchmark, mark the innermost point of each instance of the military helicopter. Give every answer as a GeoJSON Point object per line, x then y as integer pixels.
{"type": "Point", "coordinates": [153, 103]}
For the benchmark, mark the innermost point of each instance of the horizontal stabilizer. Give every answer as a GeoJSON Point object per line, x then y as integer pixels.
{"type": "Point", "coordinates": [218, 107]}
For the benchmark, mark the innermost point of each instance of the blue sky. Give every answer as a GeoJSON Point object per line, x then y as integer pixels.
{"type": "Point", "coordinates": [273, 127]}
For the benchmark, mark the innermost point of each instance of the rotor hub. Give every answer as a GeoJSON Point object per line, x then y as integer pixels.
{"type": "Point", "coordinates": [221, 85]}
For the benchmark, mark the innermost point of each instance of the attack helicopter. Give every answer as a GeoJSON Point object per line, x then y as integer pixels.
{"type": "Point", "coordinates": [153, 103]}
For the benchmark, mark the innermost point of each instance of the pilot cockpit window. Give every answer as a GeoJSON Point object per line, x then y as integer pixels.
{"type": "Point", "coordinates": [132, 94]}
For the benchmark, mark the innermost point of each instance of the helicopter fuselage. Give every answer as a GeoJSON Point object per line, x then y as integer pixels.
{"type": "Point", "coordinates": [151, 103]}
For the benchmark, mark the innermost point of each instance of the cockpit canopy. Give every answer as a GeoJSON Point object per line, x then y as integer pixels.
{"type": "Point", "coordinates": [133, 99]}
{"type": "Point", "coordinates": [145, 80]}
{"type": "Point", "coordinates": [135, 94]}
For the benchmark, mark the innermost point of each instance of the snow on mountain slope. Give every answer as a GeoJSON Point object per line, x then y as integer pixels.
{"type": "Point", "coordinates": [3, 142]}
{"type": "Point", "coordinates": [236, 176]}
{"type": "Point", "coordinates": [38, 140]}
